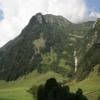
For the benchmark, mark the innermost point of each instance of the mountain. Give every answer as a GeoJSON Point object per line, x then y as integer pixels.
{"type": "Point", "coordinates": [92, 57]}
{"type": "Point", "coordinates": [48, 42]}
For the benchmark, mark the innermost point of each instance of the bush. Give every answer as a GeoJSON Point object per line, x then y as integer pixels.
{"type": "Point", "coordinates": [52, 90]}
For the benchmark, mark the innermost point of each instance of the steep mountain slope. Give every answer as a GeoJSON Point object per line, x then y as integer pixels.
{"type": "Point", "coordinates": [48, 42]}
{"type": "Point", "coordinates": [92, 56]}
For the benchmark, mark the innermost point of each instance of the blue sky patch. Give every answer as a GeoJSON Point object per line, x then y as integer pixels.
{"type": "Point", "coordinates": [1, 15]}
{"type": "Point", "coordinates": [93, 5]}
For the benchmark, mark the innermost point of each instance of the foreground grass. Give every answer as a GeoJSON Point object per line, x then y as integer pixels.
{"type": "Point", "coordinates": [15, 94]}
{"type": "Point", "coordinates": [90, 86]}
{"type": "Point", "coordinates": [17, 90]}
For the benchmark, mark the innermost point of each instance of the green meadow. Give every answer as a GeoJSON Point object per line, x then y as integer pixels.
{"type": "Point", "coordinates": [17, 90]}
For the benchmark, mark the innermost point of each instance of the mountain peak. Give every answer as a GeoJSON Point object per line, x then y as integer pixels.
{"type": "Point", "coordinates": [52, 19]}
{"type": "Point", "coordinates": [44, 41]}
{"type": "Point", "coordinates": [39, 17]}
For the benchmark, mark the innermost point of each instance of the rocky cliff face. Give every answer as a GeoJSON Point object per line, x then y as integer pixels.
{"type": "Point", "coordinates": [92, 55]}
{"type": "Point", "coordinates": [48, 42]}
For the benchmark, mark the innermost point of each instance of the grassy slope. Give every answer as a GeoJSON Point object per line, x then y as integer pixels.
{"type": "Point", "coordinates": [17, 90]}
{"type": "Point", "coordinates": [90, 86]}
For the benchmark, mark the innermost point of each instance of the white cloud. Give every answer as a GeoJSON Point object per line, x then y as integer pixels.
{"type": "Point", "coordinates": [93, 15]}
{"type": "Point", "coordinates": [74, 10]}
{"type": "Point", "coordinates": [18, 12]}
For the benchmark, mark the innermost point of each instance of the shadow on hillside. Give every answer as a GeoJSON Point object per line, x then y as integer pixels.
{"type": "Point", "coordinates": [52, 90]}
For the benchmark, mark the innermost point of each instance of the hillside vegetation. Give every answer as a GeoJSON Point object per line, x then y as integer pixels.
{"type": "Point", "coordinates": [51, 46]}
{"type": "Point", "coordinates": [47, 43]}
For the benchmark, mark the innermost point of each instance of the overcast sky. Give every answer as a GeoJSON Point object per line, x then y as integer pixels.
{"type": "Point", "coordinates": [15, 14]}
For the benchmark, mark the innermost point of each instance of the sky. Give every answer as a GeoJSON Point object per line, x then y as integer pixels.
{"type": "Point", "coordinates": [15, 14]}
{"type": "Point", "coordinates": [93, 4]}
